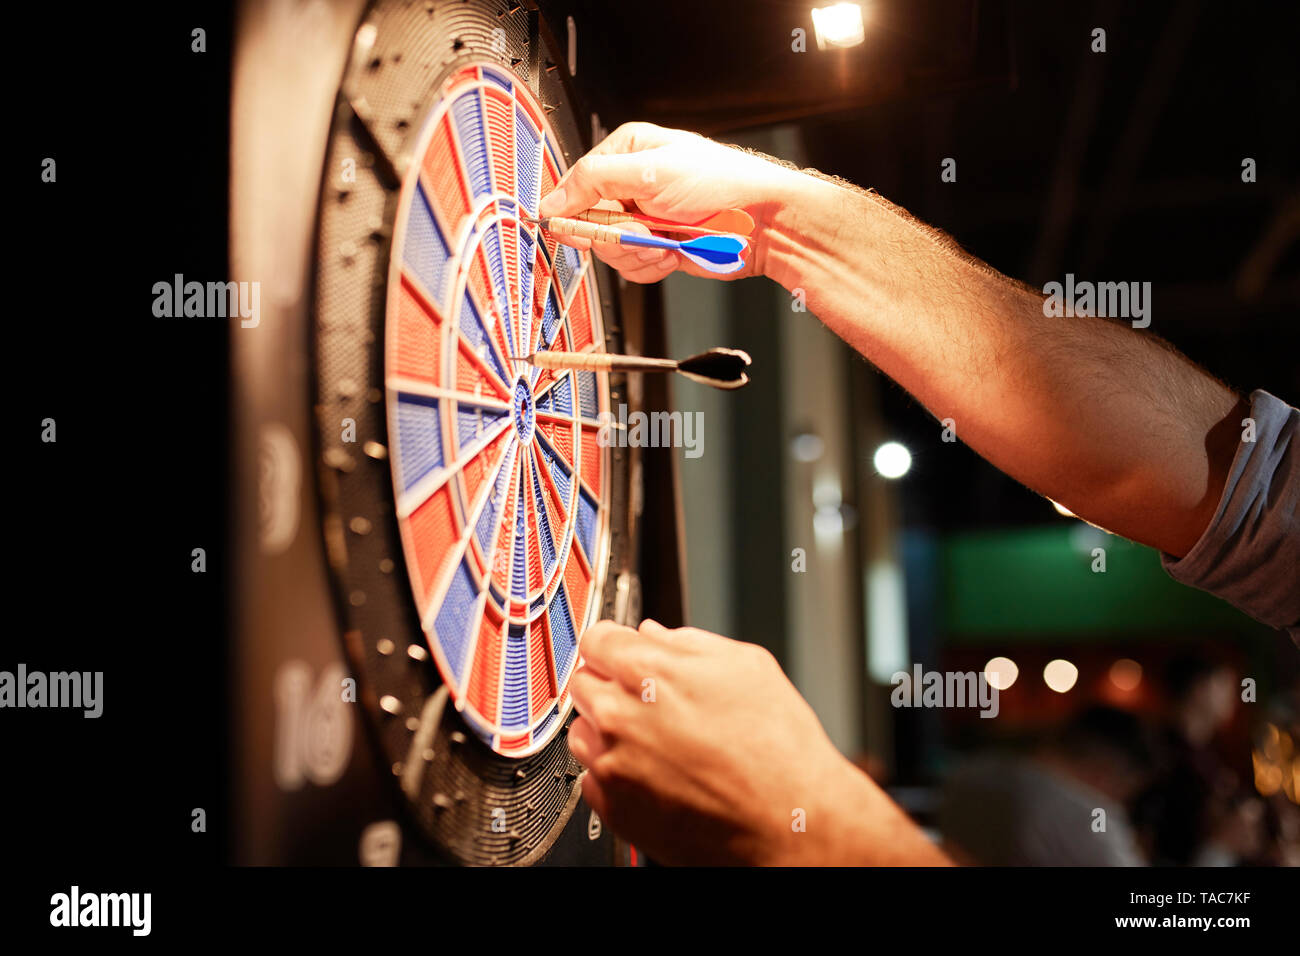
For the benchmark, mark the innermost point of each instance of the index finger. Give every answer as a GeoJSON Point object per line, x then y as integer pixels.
{"type": "Point", "coordinates": [635, 137]}
{"type": "Point", "coordinates": [598, 176]}
{"type": "Point", "coordinates": [596, 646]}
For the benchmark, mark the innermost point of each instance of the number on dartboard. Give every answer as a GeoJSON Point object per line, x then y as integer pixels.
{"type": "Point", "coordinates": [313, 726]}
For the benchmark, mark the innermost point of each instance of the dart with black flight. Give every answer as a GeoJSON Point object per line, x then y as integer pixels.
{"type": "Point", "coordinates": [720, 368]}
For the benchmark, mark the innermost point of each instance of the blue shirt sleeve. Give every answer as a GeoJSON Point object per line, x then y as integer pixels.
{"type": "Point", "coordinates": [1250, 553]}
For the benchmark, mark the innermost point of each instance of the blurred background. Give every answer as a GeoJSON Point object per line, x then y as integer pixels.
{"type": "Point", "coordinates": [1122, 165]}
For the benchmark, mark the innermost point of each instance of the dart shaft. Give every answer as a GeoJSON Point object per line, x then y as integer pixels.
{"type": "Point", "coordinates": [613, 217]}
{"type": "Point", "coordinates": [600, 362]}
{"type": "Point", "coordinates": [597, 232]}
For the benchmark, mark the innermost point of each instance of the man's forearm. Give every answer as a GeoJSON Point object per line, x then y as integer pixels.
{"type": "Point", "coordinates": [858, 825]}
{"type": "Point", "coordinates": [1106, 420]}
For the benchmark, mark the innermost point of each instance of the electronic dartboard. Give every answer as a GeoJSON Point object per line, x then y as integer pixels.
{"type": "Point", "coordinates": [473, 522]}
{"type": "Point", "coordinates": [497, 466]}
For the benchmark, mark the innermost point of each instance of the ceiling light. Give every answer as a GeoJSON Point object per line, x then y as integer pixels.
{"type": "Point", "coordinates": [892, 460]}
{"type": "Point", "coordinates": [839, 25]}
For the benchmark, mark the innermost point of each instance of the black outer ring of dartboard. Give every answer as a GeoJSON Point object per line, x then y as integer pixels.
{"type": "Point", "coordinates": [451, 797]}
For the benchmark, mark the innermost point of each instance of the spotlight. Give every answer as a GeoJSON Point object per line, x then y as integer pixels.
{"type": "Point", "coordinates": [806, 447]}
{"type": "Point", "coordinates": [1001, 672]}
{"type": "Point", "coordinates": [1060, 675]}
{"type": "Point", "coordinates": [892, 460]}
{"type": "Point", "coordinates": [1126, 674]}
{"type": "Point", "coordinates": [839, 25]}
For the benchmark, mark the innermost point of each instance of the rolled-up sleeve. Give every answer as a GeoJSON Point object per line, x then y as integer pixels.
{"type": "Point", "coordinates": [1250, 553]}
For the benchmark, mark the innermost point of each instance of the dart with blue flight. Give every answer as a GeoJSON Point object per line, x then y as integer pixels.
{"type": "Point", "coordinates": [720, 253]}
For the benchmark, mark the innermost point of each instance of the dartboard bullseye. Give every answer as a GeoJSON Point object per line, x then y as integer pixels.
{"type": "Point", "coordinates": [497, 467]}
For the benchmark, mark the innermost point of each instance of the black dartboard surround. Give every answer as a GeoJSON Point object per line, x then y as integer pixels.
{"type": "Point", "coordinates": [477, 806]}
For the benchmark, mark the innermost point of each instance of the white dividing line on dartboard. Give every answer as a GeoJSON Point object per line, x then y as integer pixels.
{"type": "Point", "coordinates": [525, 330]}
{"type": "Point", "coordinates": [563, 549]}
{"type": "Point", "coordinates": [494, 726]}
{"type": "Point", "coordinates": [569, 508]}
{"type": "Point", "coordinates": [518, 326]}
{"type": "Point", "coordinates": [457, 155]}
{"type": "Point", "coordinates": [411, 499]}
{"type": "Point", "coordinates": [534, 373]}
{"type": "Point", "coordinates": [451, 268]}
{"type": "Point", "coordinates": [530, 504]}
{"type": "Point", "coordinates": [546, 484]}
{"type": "Point", "coordinates": [496, 191]}
{"type": "Point", "coordinates": [488, 318]}
{"type": "Point", "coordinates": [550, 414]}
{"type": "Point", "coordinates": [548, 280]}
{"type": "Point", "coordinates": [481, 605]}
{"type": "Point", "coordinates": [424, 298]}
{"type": "Point", "coordinates": [567, 296]}
{"type": "Point", "coordinates": [412, 386]}
{"type": "Point", "coordinates": [438, 593]}
{"type": "Point", "coordinates": [536, 491]}
{"type": "Point", "coordinates": [513, 496]}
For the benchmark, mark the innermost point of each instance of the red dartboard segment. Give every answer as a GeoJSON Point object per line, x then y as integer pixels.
{"type": "Point", "coordinates": [580, 322]}
{"type": "Point", "coordinates": [433, 531]}
{"type": "Point", "coordinates": [550, 176]}
{"type": "Point", "coordinates": [510, 252]}
{"type": "Point", "coordinates": [533, 545]}
{"type": "Point", "coordinates": [541, 271]}
{"type": "Point", "coordinates": [418, 353]}
{"type": "Point", "coordinates": [493, 308]}
{"type": "Point", "coordinates": [591, 459]}
{"type": "Point", "coordinates": [442, 169]}
{"type": "Point", "coordinates": [541, 672]}
{"type": "Point", "coordinates": [541, 293]}
{"type": "Point", "coordinates": [484, 690]}
{"type": "Point", "coordinates": [501, 138]}
{"type": "Point", "coordinates": [515, 744]}
{"type": "Point", "coordinates": [577, 582]}
{"type": "Point", "coordinates": [465, 77]}
{"type": "Point", "coordinates": [549, 377]}
{"type": "Point", "coordinates": [505, 536]}
{"type": "Point", "coordinates": [560, 436]}
{"type": "Point", "coordinates": [546, 379]}
{"type": "Point", "coordinates": [473, 377]}
{"type": "Point", "coordinates": [485, 464]}
{"type": "Point", "coordinates": [489, 516]}
{"type": "Point", "coordinates": [556, 507]}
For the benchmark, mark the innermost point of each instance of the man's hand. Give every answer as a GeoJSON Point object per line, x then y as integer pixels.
{"type": "Point", "coordinates": [1103, 419]}
{"type": "Point", "coordinates": [674, 175]}
{"type": "Point", "coordinates": [699, 750]}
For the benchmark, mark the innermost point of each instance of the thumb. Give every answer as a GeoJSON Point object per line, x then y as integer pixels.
{"type": "Point", "coordinates": [599, 176]}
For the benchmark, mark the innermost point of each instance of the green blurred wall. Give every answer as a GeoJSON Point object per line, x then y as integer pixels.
{"type": "Point", "coordinates": [1039, 582]}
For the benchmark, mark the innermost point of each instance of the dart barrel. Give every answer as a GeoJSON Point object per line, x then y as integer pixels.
{"type": "Point", "coordinates": [599, 362]}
